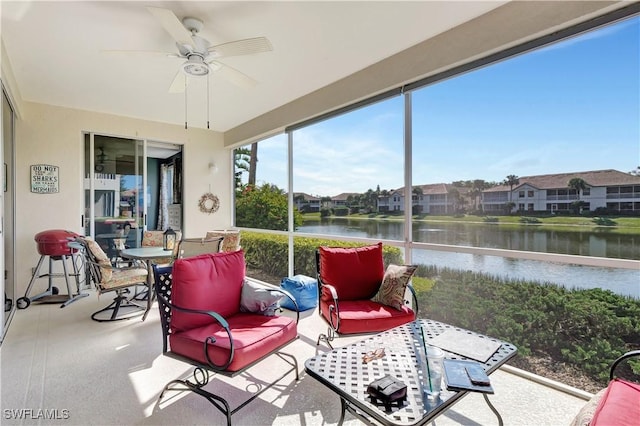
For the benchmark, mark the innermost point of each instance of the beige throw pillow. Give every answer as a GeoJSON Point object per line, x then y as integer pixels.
{"type": "Point", "coordinates": [231, 241]}
{"type": "Point", "coordinates": [394, 284]}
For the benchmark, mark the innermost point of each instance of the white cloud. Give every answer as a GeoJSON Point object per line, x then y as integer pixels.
{"type": "Point", "coordinates": [329, 163]}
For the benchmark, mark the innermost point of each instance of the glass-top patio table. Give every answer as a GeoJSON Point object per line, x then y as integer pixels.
{"type": "Point", "coordinates": [343, 371]}
{"type": "Point", "coordinates": [146, 254]}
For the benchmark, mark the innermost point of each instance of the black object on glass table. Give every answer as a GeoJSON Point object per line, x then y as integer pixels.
{"type": "Point", "coordinates": [458, 372]}
{"type": "Point", "coordinates": [477, 375]}
{"type": "Point", "coordinates": [388, 390]}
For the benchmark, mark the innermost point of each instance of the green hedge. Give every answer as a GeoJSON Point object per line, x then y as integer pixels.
{"type": "Point", "coordinates": [585, 328]}
{"type": "Point", "coordinates": [269, 253]}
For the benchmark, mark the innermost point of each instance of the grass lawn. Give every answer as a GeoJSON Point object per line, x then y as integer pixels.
{"type": "Point", "coordinates": [622, 224]}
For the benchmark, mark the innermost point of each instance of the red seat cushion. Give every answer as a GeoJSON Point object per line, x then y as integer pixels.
{"type": "Point", "coordinates": [366, 316]}
{"type": "Point", "coordinates": [355, 272]}
{"type": "Point", "coordinates": [211, 282]}
{"type": "Point", "coordinates": [254, 336]}
{"type": "Point", "coordinates": [620, 405]}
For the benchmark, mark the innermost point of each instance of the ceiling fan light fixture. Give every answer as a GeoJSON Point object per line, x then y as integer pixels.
{"type": "Point", "coordinates": [195, 67]}
{"type": "Point", "coordinates": [101, 157]}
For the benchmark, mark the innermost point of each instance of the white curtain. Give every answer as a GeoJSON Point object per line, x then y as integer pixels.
{"type": "Point", "coordinates": [163, 202]}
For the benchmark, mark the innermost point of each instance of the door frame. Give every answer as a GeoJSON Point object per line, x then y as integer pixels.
{"type": "Point", "coordinates": [9, 190]}
{"type": "Point", "coordinates": [147, 145]}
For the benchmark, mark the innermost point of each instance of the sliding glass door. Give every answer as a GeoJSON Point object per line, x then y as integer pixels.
{"type": "Point", "coordinates": [130, 185]}
{"type": "Point", "coordinates": [7, 204]}
{"type": "Point", "coordinates": [115, 190]}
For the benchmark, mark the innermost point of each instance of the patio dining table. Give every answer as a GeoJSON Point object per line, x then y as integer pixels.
{"type": "Point", "coordinates": [147, 255]}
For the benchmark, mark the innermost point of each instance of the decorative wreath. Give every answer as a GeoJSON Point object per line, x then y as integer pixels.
{"type": "Point", "coordinates": [208, 203]}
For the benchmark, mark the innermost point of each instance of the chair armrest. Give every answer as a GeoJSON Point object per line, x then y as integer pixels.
{"type": "Point", "coordinates": [628, 355]}
{"type": "Point", "coordinates": [414, 299]}
{"type": "Point", "coordinates": [273, 288]}
{"type": "Point", "coordinates": [295, 304]}
{"type": "Point", "coordinates": [333, 306]}
{"type": "Point", "coordinates": [125, 268]}
{"type": "Point", "coordinates": [136, 263]}
{"type": "Point", "coordinates": [210, 339]}
{"type": "Point", "coordinates": [332, 291]}
{"type": "Point", "coordinates": [216, 316]}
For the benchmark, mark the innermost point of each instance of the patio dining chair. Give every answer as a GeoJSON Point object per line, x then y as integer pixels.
{"type": "Point", "coordinates": [357, 295]}
{"type": "Point", "coordinates": [217, 320]}
{"type": "Point", "coordinates": [154, 239]}
{"type": "Point", "coordinates": [189, 247]}
{"type": "Point", "coordinates": [108, 278]}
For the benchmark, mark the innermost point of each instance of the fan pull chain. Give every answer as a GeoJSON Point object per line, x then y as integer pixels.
{"type": "Point", "coordinates": [208, 114]}
{"type": "Point", "coordinates": [185, 103]}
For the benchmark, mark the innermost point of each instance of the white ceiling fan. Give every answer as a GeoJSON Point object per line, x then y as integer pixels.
{"type": "Point", "coordinates": [200, 56]}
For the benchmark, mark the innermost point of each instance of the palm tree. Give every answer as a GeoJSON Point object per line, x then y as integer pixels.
{"type": "Point", "coordinates": [351, 201]}
{"type": "Point", "coordinates": [242, 160]}
{"type": "Point", "coordinates": [370, 200]}
{"type": "Point", "coordinates": [454, 196]}
{"type": "Point", "coordinates": [417, 191]}
{"type": "Point", "coordinates": [325, 201]}
{"type": "Point", "coordinates": [511, 180]}
{"type": "Point", "coordinates": [579, 185]}
{"type": "Point", "coordinates": [253, 163]}
{"type": "Point", "coordinates": [477, 186]}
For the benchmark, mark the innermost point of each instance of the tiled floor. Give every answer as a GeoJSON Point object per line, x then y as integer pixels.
{"type": "Point", "coordinates": [58, 363]}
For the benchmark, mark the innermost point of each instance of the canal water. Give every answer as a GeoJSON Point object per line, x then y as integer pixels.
{"type": "Point", "coordinates": [529, 238]}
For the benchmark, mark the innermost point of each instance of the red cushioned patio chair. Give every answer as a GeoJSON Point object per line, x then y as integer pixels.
{"type": "Point", "coordinates": [203, 304]}
{"type": "Point", "coordinates": [619, 403]}
{"type": "Point", "coordinates": [349, 280]}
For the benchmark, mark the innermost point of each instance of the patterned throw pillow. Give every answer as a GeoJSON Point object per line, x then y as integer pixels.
{"type": "Point", "coordinates": [102, 259]}
{"type": "Point", "coordinates": [156, 239]}
{"type": "Point", "coordinates": [152, 239]}
{"type": "Point", "coordinates": [231, 241]}
{"type": "Point", "coordinates": [394, 284]}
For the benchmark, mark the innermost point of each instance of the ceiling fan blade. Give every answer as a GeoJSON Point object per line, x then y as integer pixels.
{"type": "Point", "coordinates": [139, 52]}
{"type": "Point", "coordinates": [171, 24]}
{"type": "Point", "coordinates": [241, 47]}
{"type": "Point", "coordinates": [233, 75]}
{"type": "Point", "coordinates": [179, 83]}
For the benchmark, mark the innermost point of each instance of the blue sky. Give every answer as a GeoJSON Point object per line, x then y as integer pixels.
{"type": "Point", "coordinates": [570, 107]}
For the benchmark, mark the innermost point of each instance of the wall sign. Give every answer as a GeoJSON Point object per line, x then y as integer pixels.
{"type": "Point", "coordinates": [44, 179]}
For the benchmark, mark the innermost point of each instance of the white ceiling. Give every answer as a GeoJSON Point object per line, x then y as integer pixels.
{"type": "Point", "coordinates": [56, 51]}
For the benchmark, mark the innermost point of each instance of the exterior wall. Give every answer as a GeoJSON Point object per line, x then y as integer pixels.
{"type": "Point", "coordinates": [533, 199]}
{"type": "Point", "coordinates": [430, 203]}
{"type": "Point", "coordinates": [494, 201]}
{"type": "Point", "coordinates": [396, 203]}
{"type": "Point", "coordinates": [438, 204]}
{"type": "Point", "coordinates": [527, 198]}
{"type": "Point", "coordinates": [53, 135]}
{"type": "Point", "coordinates": [313, 205]}
{"type": "Point", "coordinates": [598, 198]}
